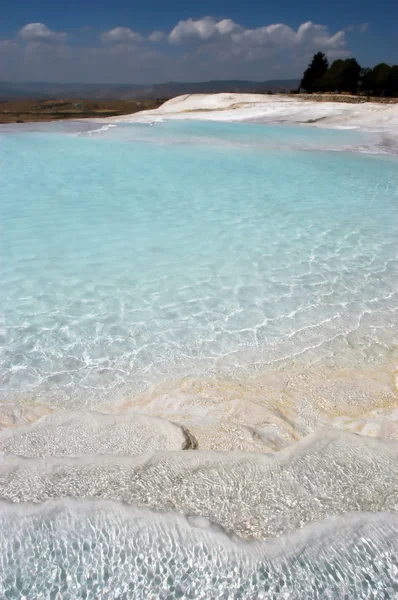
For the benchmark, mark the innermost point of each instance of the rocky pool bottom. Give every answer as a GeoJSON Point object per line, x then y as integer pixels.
{"type": "Point", "coordinates": [279, 486]}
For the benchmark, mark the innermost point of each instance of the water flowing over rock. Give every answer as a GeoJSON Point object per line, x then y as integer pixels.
{"type": "Point", "coordinates": [250, 494]}
{"type": "Point", "coordinates": [248, 274]}
{"type": "Point", "coordinates": [109, 551]}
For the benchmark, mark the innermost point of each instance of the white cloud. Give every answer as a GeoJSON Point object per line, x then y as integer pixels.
{"type": "Point", "coordinates": [121, 35]}
{"type": "Point", "coordinates": [156, 36]}
{"type": "Point", "coordinates": [38, 32]}
{"type": "Point", "coordinates": [8, 45]}
{"type": "Point", "coordinates": [362, 28]}
{"type": "Point", "coordinates": [202, 29]}
{"type": "Point", "coordinates": [273, 49]}
{"type": "Point", "coordinates": [278, 35]}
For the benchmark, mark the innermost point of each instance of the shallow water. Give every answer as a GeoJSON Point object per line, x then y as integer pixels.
{"type": "Point", "coordinates": [210, 248]}
{"type": "Point", "coordinates": [260, 265]}
{"type": "Point", "coordinates": [252, 495]}
{"type": "Point", "coordinates": [91, 550]}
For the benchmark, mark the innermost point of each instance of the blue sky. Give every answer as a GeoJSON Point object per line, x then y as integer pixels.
{"type": "Point", "coordinates": [118, 42]}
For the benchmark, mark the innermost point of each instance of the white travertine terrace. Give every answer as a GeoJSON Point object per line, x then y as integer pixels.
{"type": "Point", "coordinates": [253, 495]}
{"type": "Point", "coordinates": [263, 108]}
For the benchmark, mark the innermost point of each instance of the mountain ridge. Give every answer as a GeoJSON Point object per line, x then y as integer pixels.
{"type": "Point", "coordinates": [127, 91]}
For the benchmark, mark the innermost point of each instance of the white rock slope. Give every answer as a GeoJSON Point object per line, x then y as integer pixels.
{"type": "Point", "coordinates": [262, 108]}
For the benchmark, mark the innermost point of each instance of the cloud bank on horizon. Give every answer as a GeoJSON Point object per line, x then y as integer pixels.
{"type": "Point", "coordinates": [199, 49]}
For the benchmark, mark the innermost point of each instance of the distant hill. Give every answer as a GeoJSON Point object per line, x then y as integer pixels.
{"type": "Point", "coordinates": [45, 90]}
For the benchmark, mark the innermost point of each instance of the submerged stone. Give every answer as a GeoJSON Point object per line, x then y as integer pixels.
{"type": "Point", "coordinates": [16, 415]}
{"type": "Point", "coordinates": [277, 408]}
{"type": "Point", "coordinates": [67, 433]}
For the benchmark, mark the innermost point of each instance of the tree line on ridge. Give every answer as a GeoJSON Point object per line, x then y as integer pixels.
{"type": "Point", "coordinates": [348, 76]}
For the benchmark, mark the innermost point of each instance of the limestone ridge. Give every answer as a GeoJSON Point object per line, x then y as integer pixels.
{"type": "Point", "coordinates": [252, 495]}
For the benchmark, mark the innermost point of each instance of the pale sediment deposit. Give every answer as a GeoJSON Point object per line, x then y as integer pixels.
{"type": "Point", "coordinates": [263, 413]}
{"type": "Point", "coordinates": [263, 108]}
{"type": "Point", "coordinates": [275, 409]}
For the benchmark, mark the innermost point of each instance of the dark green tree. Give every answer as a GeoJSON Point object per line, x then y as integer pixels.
{"type": "Point", "coordinates": [366, 80]}
{"type": "Point", "coordinates": [393, 81]}
{"type": "Point", "coordinates": [343, 76]}
{"type": "Point", "coordinates": [351, 73]}
{"type": "Point", "coordinates": [315, 70]}
{"type": "Point", "coordinates": [380, 79]}
{"type": "Point", "coordinates": [347, 76]}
